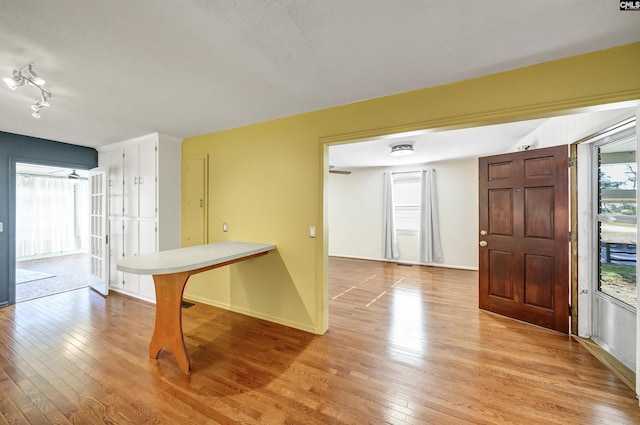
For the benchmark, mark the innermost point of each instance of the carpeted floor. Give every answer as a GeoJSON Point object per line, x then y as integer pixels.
{"type": "Point", "coordinates": [24, 275]}
{"type": "Point", "coordinates": [54, 275]}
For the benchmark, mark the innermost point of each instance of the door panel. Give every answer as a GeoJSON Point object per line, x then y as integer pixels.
{"type": "Point", "coordinates": [99, 230]}
{"type": "Point", "coordinates": [147, 180]}
{"type": "Point", "coordinates": [501, 212]}
{"type": "Point", "coordinates": [501, 284]}
{"type": "Point", "coordinates": [147, 245]}
{"type": "Point", "coordinates": [131, 248]}
{"type": "Point", "coordinates": [539, 281]}
{"type": "Point", "coordinates": [130, 179]}
{"type": "Point", "coordinates": [195, 216]}
{"type": "Point", "coordinates": [116, 252]}
{"type": "Point", "coordinates": [524, 229]}
{"type": "Point", "coordinates": [116, 181]}
{"type": "Point", "coordinates": [538, 212]}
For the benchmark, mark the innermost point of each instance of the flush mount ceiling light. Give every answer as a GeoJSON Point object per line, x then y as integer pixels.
{"type": "Point", "coordinates": [402, 150]}
{"type": "Point", "coordinates": [28, 76]}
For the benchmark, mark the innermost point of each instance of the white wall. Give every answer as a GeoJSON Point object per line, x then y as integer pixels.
{"type": "Point", "coordinates": [355, 214]}
{"type": "Point", "coordinates": [568, 129]}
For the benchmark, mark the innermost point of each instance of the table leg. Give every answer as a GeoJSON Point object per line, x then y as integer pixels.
{"type": "Point", "coordinates": [167, 333]}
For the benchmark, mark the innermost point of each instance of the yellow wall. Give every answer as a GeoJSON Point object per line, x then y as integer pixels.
{"type": "Point", "coordinates": [267, 180]}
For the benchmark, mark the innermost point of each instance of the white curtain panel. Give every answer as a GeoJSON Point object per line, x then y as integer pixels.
{"type": "Point", "coordinates": [430, 246]}
{"type": "Point", "coordinates": [389, 240]}
{"type": "Point", "coordinates": [46, 217]}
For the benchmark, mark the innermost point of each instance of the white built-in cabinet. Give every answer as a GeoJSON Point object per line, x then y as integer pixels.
{"type": "Point", "coordinates": [144, 204]}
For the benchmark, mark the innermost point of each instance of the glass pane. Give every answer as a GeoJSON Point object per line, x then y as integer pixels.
{"type": "Point", "coordinates": [617, 221]}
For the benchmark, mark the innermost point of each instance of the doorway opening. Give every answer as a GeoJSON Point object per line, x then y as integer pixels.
{"type": "Point", "coordinates": [51, 244]}
{"type": "Point", "coordinates": [354, 210]}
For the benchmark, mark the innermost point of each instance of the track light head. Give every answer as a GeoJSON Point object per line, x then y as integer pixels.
{"type": "Point", "coordinates": [35, 77]}
{"type": "Point", "coordinates": [10, 82]}
{"type": "Point", "coordinates": [43, 102]}
{"type": "Point", "coordinates": [15, 81]}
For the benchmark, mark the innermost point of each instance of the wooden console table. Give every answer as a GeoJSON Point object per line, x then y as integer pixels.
{"type": "Point", "coordinates": [171, 270]}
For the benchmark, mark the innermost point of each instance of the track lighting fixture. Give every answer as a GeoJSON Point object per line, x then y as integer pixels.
{"type": "Point", "coordinates": [27, 75]}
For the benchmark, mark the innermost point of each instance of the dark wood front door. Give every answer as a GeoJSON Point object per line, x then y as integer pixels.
{"type": "Point", "coordinates": [524, 236]}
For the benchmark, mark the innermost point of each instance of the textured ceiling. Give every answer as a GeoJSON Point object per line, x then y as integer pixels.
{"type": "Point", "coordinates": [119, 69]}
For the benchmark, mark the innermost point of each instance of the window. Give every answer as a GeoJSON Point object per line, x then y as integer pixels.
{"type": "Point", "coordinates": [406, 192]}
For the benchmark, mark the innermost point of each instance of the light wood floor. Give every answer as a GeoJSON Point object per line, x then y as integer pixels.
{"type": "Point", "coordinates": [406, 345]}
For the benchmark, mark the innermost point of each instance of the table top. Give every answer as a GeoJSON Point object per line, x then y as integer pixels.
{"type": "Point", "coordinates": [190, 258]}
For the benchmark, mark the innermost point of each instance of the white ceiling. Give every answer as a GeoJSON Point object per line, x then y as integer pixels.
{"type": "Point", "coordinates": [432, 146]}
{"type": "Point", "coordinates": [120, 69]}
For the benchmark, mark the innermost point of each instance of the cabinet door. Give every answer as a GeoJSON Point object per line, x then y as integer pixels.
{"type": "Point", "coordinates": [130, 178]}
{"type": "Point", "coordinates": [114, 161]}
{"type": "Point", "coordinates": [195, 215]}
{"type": "Point", "coordinates": [130, 235]}
{"type": "Point", "coordinates": [116, 252]}
{"type": "Point", "coordinates": [147, 244]}
{"type": "Point", "coordinates": [147, 179]}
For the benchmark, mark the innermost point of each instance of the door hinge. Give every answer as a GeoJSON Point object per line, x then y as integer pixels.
{"type": "Point", "coordinates": [570, 311]}
{"type": "Point", "coordinates": [571, 162]}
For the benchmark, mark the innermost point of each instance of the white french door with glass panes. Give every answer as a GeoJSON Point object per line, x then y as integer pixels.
{"type": "Point", "coordinates": [99, 230]}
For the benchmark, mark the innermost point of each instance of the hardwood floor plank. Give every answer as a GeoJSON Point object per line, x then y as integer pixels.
{"type": "Point", "coordinates": [406, 345]}
{"type": "Point", "coordinates": [16, 399]}
{"type": "Point", "coordinates": [35, 406]}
